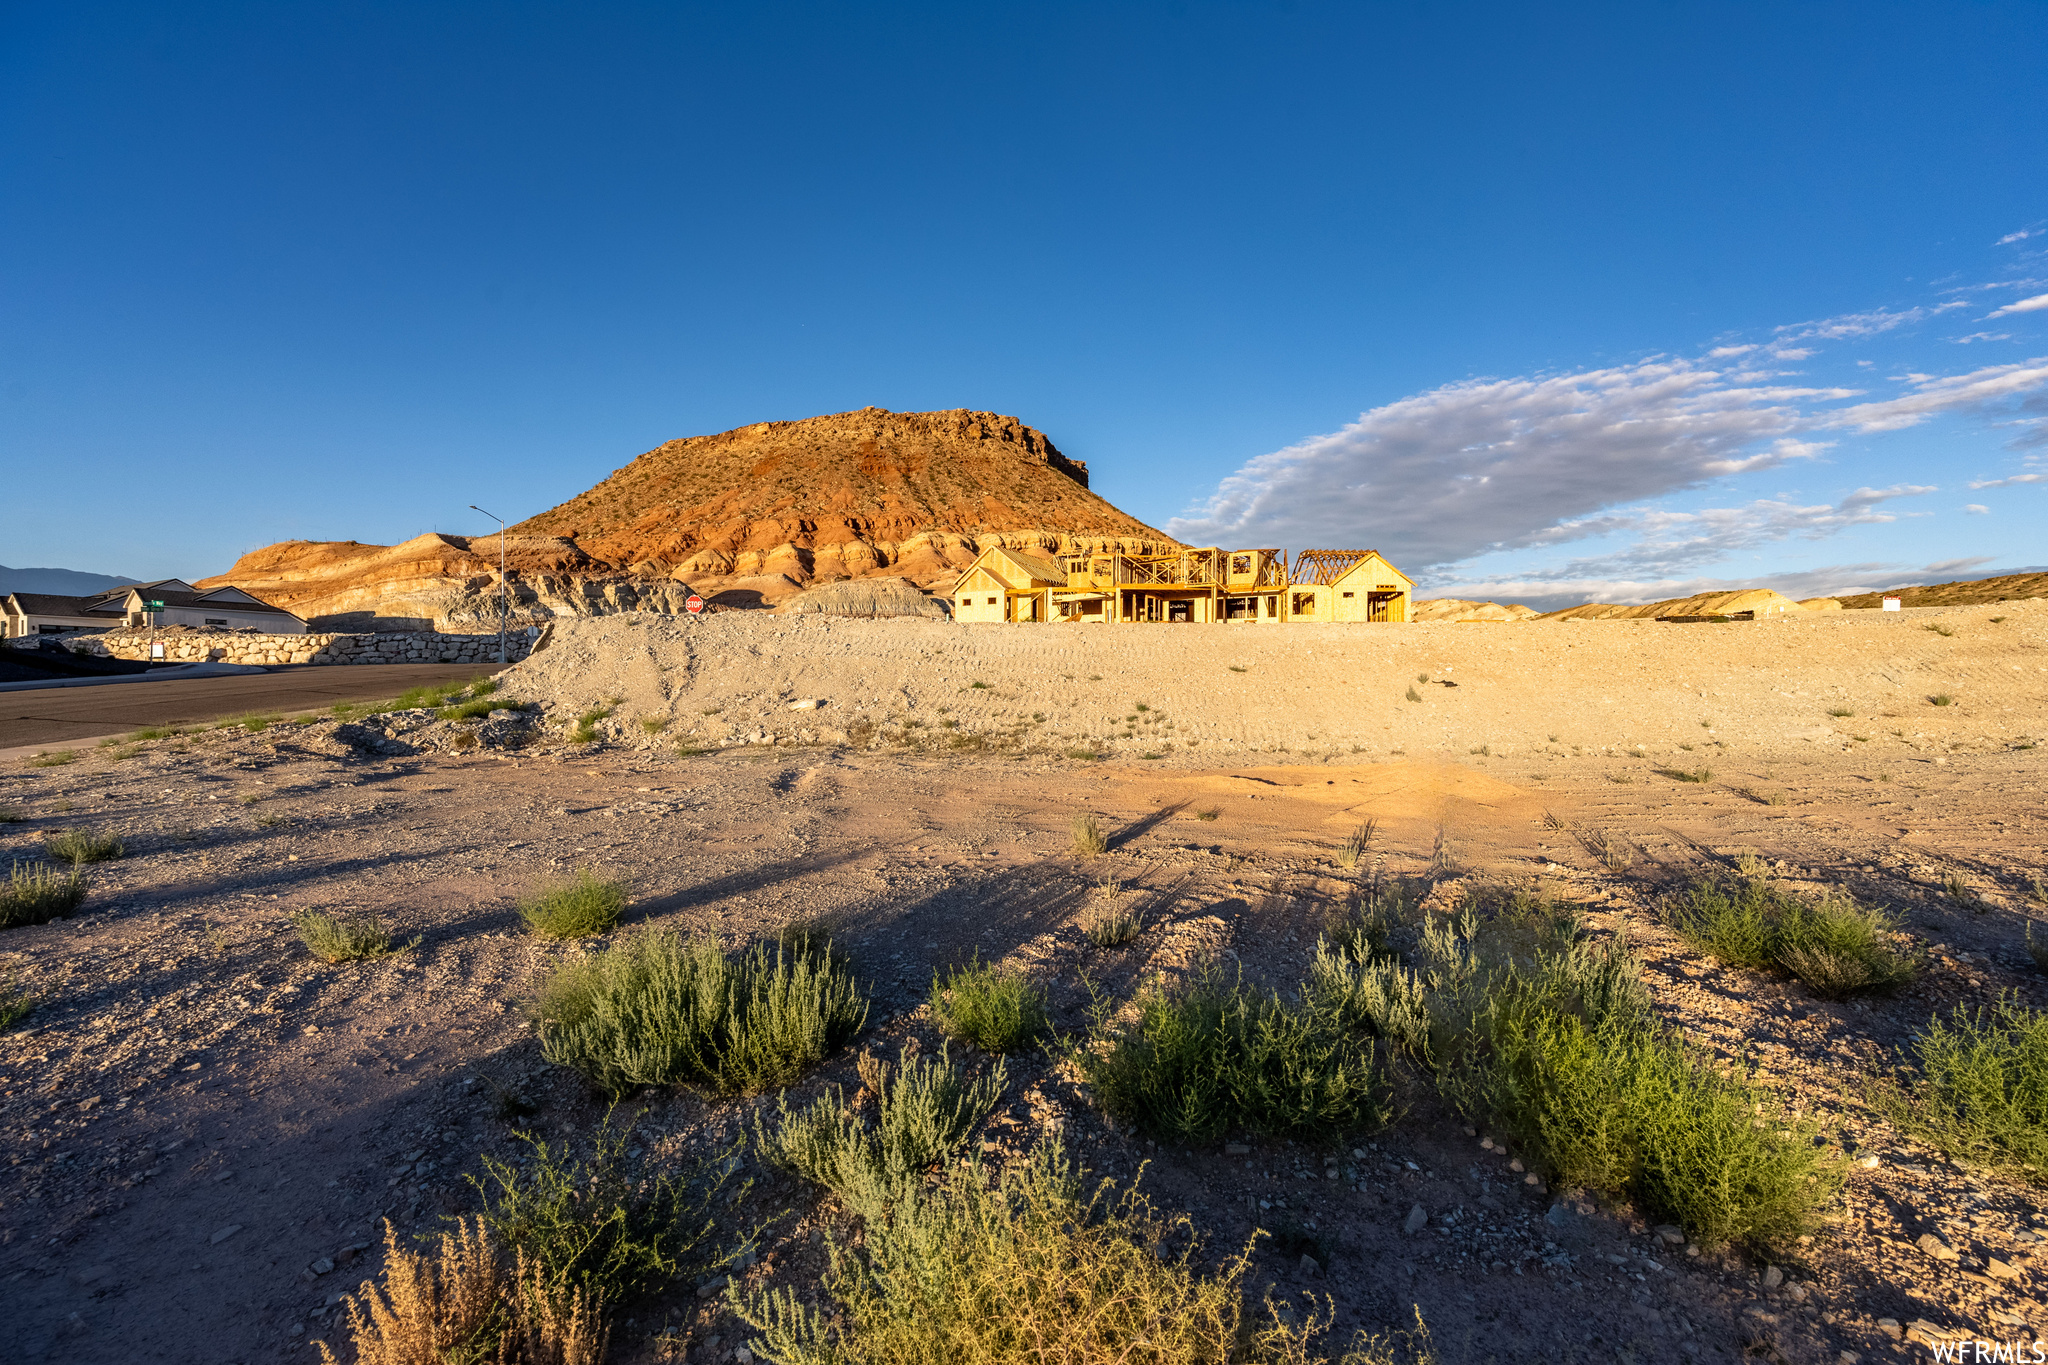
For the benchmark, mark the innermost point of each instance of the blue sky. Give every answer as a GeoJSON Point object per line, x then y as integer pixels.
{"type": "Point", "coordinates": [1465, 283]}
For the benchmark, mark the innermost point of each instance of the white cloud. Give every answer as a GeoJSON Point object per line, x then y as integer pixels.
{"type": "Point", "coordinates": [2021, 235]}
{"type": "Point", "coordinates": [2032, 305]}
{"type": "Point", "coordinates": [1976, 509]}
{"type": "Point", "coordinates": [1496, 463]}
{"type": "Point", "coordinates": [1791, 353]}
{"type": "Point", "coordinates": [1934, 395]}
{"type": "Point", "coordinates": [1850, 325]}
{"type": "Point", "coordinates": [1723, 352]}
{"type": "Point", "coordinates": [1975, 484]}
{"type": "Point", "coordinates": [1981, 336]}
{"type": "Point", "coordinates": [1942, 566]}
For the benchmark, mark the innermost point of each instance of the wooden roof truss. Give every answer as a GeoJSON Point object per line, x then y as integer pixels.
{"type": "Point", "coordinates": [1324, 567]}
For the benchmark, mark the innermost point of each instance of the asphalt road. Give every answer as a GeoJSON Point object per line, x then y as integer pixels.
{"type": "Point", "coordinates": [65, 715]}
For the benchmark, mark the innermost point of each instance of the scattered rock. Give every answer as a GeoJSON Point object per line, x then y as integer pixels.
{"type": "Point", "coordinates": [1237, 1149]}
{"type": "Point", "coordinates": [1311, 1266]}
{"type": "Point", "coordinates": [225, 1233]}
{"type": "Point", "coordinates": [705, 1291]}
{"type": "Point", "coordinates": [1669, 1234]}
{"type": "Point", "coordinates": [1773, 1277]}
{"type": "Point", "coordinates": [1890, 1327]}
{"type": "Point", "coordinates": [1417, 1218]}
{"type": "Point", "coordinates": [2000, 1270]}
{"type": "Point", "coordinates": [1935, 1247]}
{"type": "Point", "coordinates": [321, 1266]}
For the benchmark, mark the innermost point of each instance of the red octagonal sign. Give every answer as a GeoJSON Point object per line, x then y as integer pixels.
{"type": "Point", "coordinates": [694, 605]}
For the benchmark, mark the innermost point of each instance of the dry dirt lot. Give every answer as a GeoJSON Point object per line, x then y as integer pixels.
{"type": "Point", "coordinates": [199, 1117]}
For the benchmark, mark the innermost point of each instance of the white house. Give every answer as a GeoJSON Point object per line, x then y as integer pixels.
{"type": "Point", "coordinates": [222, 608]}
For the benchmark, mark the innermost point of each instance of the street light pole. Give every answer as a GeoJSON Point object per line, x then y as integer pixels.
{"type": "Point", "coordinates": [502, 610]}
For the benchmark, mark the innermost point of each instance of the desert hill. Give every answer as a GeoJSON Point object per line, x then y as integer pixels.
{"type": "Point", "coordinates": [838, 497]}
{"type": "Point", "coordinates": [750, 516]}
{"type": "Point", "coordinates": [2010, 588]}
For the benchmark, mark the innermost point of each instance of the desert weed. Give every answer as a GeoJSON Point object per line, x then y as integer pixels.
{"type": "Point", "coordinates": [1357, 845]}
{"type": "Point", "coordinates": [605, 1225]}
{"type": "Point", "coordinates": [17, 1001]}
{"type": "Point", "coordinates": [1030, 1268]}
{"type": "Point", "coordinates": [924, 1109]}
{"type": "Point", "coordinates": [994, 1010]}
{"type": "Point", "coordinates": [1977, 1087]}
{"type": "Point", "coordinates": [1111, 921]}
{"type": "Point", "coordinates": [343, 938]}
{"type": "Point", "coordinates": [660, 1009]}
{"type": "Point", "coordinates": [1216, 1057]}
{"type": "Point", "coordinates": [463, 1303]}
{"type": "Point", "coordinates": [1835, 945]}
{"type": "Point", "coordinates": [36, 893]}
{"type": "Point", "coordinates": [80, 846]}
{"type": "Point", "coordinates": [575, 909]}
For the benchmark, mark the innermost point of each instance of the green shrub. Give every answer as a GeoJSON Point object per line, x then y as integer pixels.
{"type": "Point", "coordinates": [36, 894]}
{"type": "Point", "coordinates": [924, 1110]}
{"type": "Point", "coordinates": [55, 759]}
{"type": "Point", "coordinates": [1371, 994]}
{"type": "Point", "coordinates": [1687, 774]}
{"type": "Point", "coordinates": [575, 909]}
{"type": "Point", "coordinates": [1217, 1057]}
{"type": "Point", "coordinates": [1413, 695]}
{"type": "Point", "coordinates": [12, 815]}
{"type": "Point", "coordinates": [585, 728]}
{"type": "Point", "coordinates": [1574, 1065]}
{"type": "Point", "coordinates": [600, 1225]}
{"type": "Point", "coordinates": [1030, 1269]}
{"type": "Point", "coordinates": [1982, 1088]}
{"type": "Point", "coordinates": [663, 1010]}
{"type": "Point", "coordinates": [995, 1011]}
{"type": "Point", "coordinates": [1835, 946]}
{"type": "Point", "coordinates": [1941, 699]}
{"type": "Point", "coordinates": [343, 938]}
{"type": "Point", "coordinates": [475, 709]}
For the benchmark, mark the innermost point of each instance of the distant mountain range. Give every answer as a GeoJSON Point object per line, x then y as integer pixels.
{"type": "Point", "coordinates": [69, 582]}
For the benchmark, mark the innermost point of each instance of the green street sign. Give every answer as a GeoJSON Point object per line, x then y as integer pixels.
{"type": "Point", "coordinates": [154, 606]}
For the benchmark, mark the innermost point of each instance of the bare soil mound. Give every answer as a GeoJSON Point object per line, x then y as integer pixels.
{"type": "Point", "coordinates": [1460, 609]}
{"type": "Point", "coordinates": [868, 597]}
{"type": "Point", "coordinates": [1685, 695]}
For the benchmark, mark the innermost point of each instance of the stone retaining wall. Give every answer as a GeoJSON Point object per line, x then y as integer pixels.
{"type": "Point", "coordinates": [380, 647]}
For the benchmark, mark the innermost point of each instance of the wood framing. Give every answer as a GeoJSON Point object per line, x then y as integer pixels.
{"type": "Point", "coordinates": [1195, 585]}
{"type": "Point", "coordinates": [1347, 585]}
{"type": "Point", "coordinates": [1007, 585]}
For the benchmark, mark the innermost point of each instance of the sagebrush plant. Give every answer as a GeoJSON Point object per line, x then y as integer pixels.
{"type": "Point", "coordinates": [343, 938]}
{"type": "Point", "coordinates": [77, 846]}
{"type": "Point", "coordinates": [924, 1109]}
{"type": "Point", "coordinates": [1835, 945]}
{"type": "Point", "coordinates": [36, 893]}
{"type": "Point", "coordinates": [997, 1011]}
{"type": "Point", "coordinates": [1216, 1057]}
{"type": "Point", "coordinates": [1977, 1087]}
{"type": "Point", "coordinates": [575, 909]}
{"type": "Point", "coordinates": [615, 1230]}
{"type": "Point", "coordinates": [660, 1009]}
{"type": "Point", "coordinates": [1089, 840]}
{"type": "Point", "coordinates": [462, 1303]}
{"type": "Point", "coordinates": [1033, 1268]}
{"type": "Point", "coordinates": [1373, 994]}
{"type": "Point", "coordinates": [1571, 1061]}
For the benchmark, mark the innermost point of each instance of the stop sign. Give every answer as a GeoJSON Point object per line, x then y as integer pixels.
{"type": "Point", "coordinates": [694, 605]}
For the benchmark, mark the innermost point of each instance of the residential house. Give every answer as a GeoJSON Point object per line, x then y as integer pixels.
{"type": "Point", "coordinates": [222, 608]}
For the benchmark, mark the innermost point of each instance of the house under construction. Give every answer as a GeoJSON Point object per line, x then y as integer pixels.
{"type": "Point", "coordinates": [1235, 587]}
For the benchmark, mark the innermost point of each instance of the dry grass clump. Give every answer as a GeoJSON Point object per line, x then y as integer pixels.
{"type": "Point", "coordinates": [1836, 946]}
{"type": "Point", "coordinates": [1111, 922]}
{"type": "Point", "coordinates": [1981, 1090]}
{"type": "Point", "coordinates": [1031, 1268]}
{"type": "Point", "coordinates": [79, 846]}
{"type": "Point", "coordinates": [36, 893]}
{"type": "Point", "coordinates": [585, 728]}
{"type": "Point", "coordinates": [577, 909]}
{"type": "Point", "coordinates": [996, 1011]}
{"type": "Point", "coordinates": [1217, 1057]}
{"type": "Point", "coordinates": [1089, 839]}
{"type": "Point", "coordinates": [343, 938]}
{"type": "Point", "coordinates": [56, 758]}
{"type": "Point", "coordinates": [462, 1303]}
{"type": "Point", "coordinates": [664, 1010]}
{"type": "Point", "coordinates": [1356, 845]}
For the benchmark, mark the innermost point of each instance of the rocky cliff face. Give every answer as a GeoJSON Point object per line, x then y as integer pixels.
{"type": "Point", "coordinates": [747, 518]}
